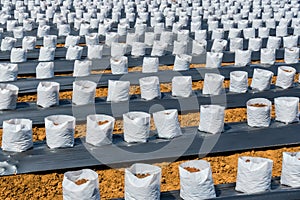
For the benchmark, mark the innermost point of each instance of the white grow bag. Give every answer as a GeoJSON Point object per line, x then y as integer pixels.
{"type": "Point", "coordinates": [60, 131]}
{"type": "Point", "coordinates": [150, 65]}
{"type": "Point", "coordinates": [8, 72]}
{"type": "Point", "coordinates": [82, 68]}
{"type": "Point", "coordinates": [18, 55]}
{"type": "Point", "coordinates": [83, 92]}
{"type": "Point", "coordinates": [119, 65]}
{"type": "Point", "coordinates": [86, 191]}
{"type": "Point", "coordinates": [211, 119]}
{"type": "Point", "coordinates": [167, 123]}
{"type": "Point", "coordinates": [182, 86]}
{"type": "Point", "coordinates": [285, 77]}
{"type": "Point", "coordinates": [99, 129]}
{"type": "Point", "coordinates": [147, 188]}
{"type": "Point", "coordinates": [150, 87]}
{"type": "Point", "coordinates": [8, 96]}
{"type": "Point", "coordinates": [74, 53]}
{"type": "Point", "coordinates": [196, 185]}
{"type": "Point", "coordinates": [47, 94]}
{"type": "Point", "coordinates": [259, 112]}
{"type": "Point", "coordinates": [254, 174]}
{"type": "Point", "coordinates": [118, 91]}
{"type": "Point", "coordinates": [290, 169]}
{"type": "Point", "coordinates": [286, 109]}
{"type": "Point", "coordinates": [261, 79]}
{"type": "Point", "coordinates": [17, 135]}
{"type": "Point", "coordinates": [136, 126]}
{"type": "Point", "coordinates": [213, 84]}
{"type": "Point", "coordinates": [238, 81]}
{"type": "Point", "coordinates": [46, 54]}
{"type": "Point", "coordinates": [45, 70]}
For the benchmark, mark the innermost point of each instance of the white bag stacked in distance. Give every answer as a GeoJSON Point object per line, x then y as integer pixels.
{"type": "Point", "coordinates": [290, 175]}
{"type": "Point", "coordinates": [254, 174]}
{"type": "Point", "coordinates": [136, 126]}
{"type": "Point", "coordinates": [17, 135]}
{"type": "Point", "coordinates": [147, 188]}
{"type": "Point", "coordinates": [60, 131]}
{"type": "Point", "coordinates": [74, 190]}
{"type": "Point", "coordinates": [99, 129]}
{"type": "Point", "coordinates": [196, 185]}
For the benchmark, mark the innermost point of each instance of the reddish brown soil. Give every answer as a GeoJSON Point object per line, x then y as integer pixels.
{"type": "Point", "coordinates": [142, 175]}
{"type": "Point", "coordinates": [102, 122]}
{"type": "Point", "coordinates": [192, 169]}
{"type": "Point", "coordinates": [81, 181]}
{"type": "Point", "coordinates": [259, 105]}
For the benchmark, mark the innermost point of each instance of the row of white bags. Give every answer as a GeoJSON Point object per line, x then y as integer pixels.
{"type": "Point", "coordinates": [60, 128]}
{"type": "Point", "coordinates": [142, 181]}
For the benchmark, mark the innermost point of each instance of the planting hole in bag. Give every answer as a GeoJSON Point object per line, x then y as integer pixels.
{"type": "Point", "coordinates": [8, 72]}
{"type": "Point", "coordinates": [285, 77]}
{"type": "Point", "coordinates": [118, 91]}
{"type": "Point", "coordinates": [291, 55]}
{"type": "Point", "coordinates": [118, 49]}
{"type": "Point", "coordinates": [17, 135]}
{"type": "Point", "coordinates": [28, 42]}
{"type": "Point", "coordinates": [46, 54]}
{"type": "Point", "coordinates": [74, 53]}
{"type": "Point", "coordinates": [182, 62]}
{"type": "Point", "coordinates": [254, 174]}
{"type": "Point", "coordinates": [196, 180]}
{"type": "Point", "coordinates": [261, 79]}
{"type": "Point", "coordinates": [213, 59]}
{"type": "Point", "coordinates": [95, 52]}
{"type": "Point", "coordinates": [8, 96]}
{"type": "Point", "coordinates": [286, 109]}
{"type": "Point", "coordinates": [238, 81]}
{"type": "Point", "coordinates": [211, 119]}
{"type": "Point", "coordinates": [60, 131]}
{"type": "Point", "coordinates": [259, 112]}
{"type": "Point", "coordinates": [213, 84]}
{"type": "Point", "coordinates": [150, 87]}
{"type": "Point", "coordinates": [45, 70]}
{"type": "Point", "coordinates": [8, 43]}
{"type": "Point", "coordinates": [83, 92]}
{"type": "Point", "coordinates": [47, 94]}
{"type": "Point", "coordinates": [81, 185]}
{"type": "Point", "coordinates": [82, 68]}
{"type": "Point", "coordinates": [99, 129]}
{"type": "Point", "coordinates": [71, 40]}
{"type": "Point", "coordinates": [267, 56]}
{"type": "Point", "coordinates": [290, 169]}
{"type": "Point", "coordinates": [150, 65]}
{"type": "Point", "coordinates": [142, 181]}
{"type": "Point", "coordinates": [136, 126]}
{"type": "Point", "coordinates": [182, 86]}
{"type": "Point", "coordinates": [167, 124]}
{"type": "Point", "coordinates": [50, 41]}
{"type": "Point", "coordinates": [119, 65]}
